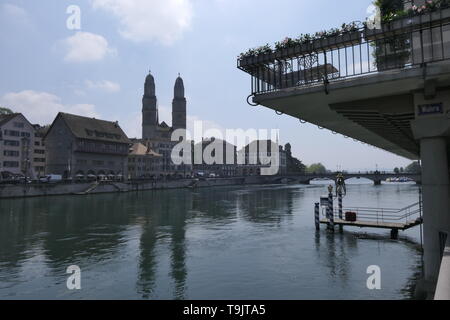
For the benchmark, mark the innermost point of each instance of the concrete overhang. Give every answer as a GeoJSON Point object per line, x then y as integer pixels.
{"type": "Point", "coordinates": [349, 106]}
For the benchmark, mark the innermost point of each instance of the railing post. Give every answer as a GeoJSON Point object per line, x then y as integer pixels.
{"type": "Point", "coordinates": [316, 216]}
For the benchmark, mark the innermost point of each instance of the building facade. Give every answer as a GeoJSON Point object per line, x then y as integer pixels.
{"type": "Point", "coordinates": [17, 147]}
{"type": "Point", "coordinates": [251, 158]}
{"type": "Point", "coordinates": [39, 153]}
{"type": "Point", "coordinates": [220, 165]}
{"type": "Point", "coordinates": [79, 147]}
{"type": "Point", "coordinates": [143, 162]}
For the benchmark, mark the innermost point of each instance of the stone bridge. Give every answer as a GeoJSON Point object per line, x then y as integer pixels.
{"type": "Point", "coordinates": [376, 177]}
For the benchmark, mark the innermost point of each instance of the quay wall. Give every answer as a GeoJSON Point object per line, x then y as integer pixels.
{"type": "Point", "coordinates": [51, 189]}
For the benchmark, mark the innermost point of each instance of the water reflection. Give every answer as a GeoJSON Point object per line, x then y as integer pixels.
{"type": "Point", "coordinates": [167, 237]}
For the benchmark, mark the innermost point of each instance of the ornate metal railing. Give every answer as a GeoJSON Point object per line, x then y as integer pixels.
{"type": "Point", "coordinates": [403, 43]}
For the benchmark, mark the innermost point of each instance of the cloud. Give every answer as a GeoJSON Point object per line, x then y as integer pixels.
{"type": "Point", "coordinates": [42, 107]}
{"type": "Point", "coordinates": [149, 20]}
{"type": "Point", "coordinates": [103, 85]}
{"type": "Point", "coordinates": [14, 12]}
{"type": "Point", "coordinates": [86, 47]}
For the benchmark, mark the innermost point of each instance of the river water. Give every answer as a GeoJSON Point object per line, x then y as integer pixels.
{"type": "Point", "coordinates": [240, 242]}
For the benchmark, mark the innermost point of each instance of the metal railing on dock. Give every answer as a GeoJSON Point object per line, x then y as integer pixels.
{"type": "Point", "coordinates": [381, 215]}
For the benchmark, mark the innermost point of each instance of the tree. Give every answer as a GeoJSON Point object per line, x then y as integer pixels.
{"type": "Point", "coordinates": [5, 110]}
{"type": "Point", "coordinates": [316, 168]}
{"type": "Point", "coordinates": [389, 7]}
{"type": "Point", "coordinates": [396, 170]}
{"type": "Point", "coordinates": [413, 167]}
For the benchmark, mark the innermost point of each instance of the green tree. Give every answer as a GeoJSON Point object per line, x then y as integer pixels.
{"type": "Point", "coordinates": [396, 170]}
{"type": "Point", "coordinates": [413, 167]}
{"type": "Point", "coordinates": [316, 168]}
{"type": "Point", "coordinates": [4, 110]}
{"type": "Point", "coordinates": [388, 7]}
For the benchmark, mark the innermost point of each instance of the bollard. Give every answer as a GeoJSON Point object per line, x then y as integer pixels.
{"type": "Point", "coordinates": [340, 208]}
{"type": "Point", "coordinates": [316, 215]}
{"type": "Point", "coordinates": [330, 208]}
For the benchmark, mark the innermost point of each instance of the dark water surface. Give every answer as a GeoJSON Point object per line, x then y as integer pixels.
{"type": "Point", "coordinates": [246, 242]}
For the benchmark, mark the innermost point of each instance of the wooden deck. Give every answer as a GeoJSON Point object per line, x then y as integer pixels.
{"type": "Point", "coordinates": [375, 224]}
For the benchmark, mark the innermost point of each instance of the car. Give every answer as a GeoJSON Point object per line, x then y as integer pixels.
{"type": "Point", "coordinates": [51, 178]}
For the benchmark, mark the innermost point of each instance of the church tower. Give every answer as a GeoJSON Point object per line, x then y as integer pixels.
{"type": "Point", "coordinates": [179, 106]}
{"type": "Point", "coordinates": [149, 109]}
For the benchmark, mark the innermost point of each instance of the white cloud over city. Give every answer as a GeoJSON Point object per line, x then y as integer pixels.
{"type": "Point", "coordinates": [86, 47]}
{"type": "Point", "coordinates": [14, 12]}
{"type": "Point", "coordinates": [103, 85]}
{"type": "Point", "coordinates": [42, 107]}
{"type": "Point", "coordinates": [149, 20]}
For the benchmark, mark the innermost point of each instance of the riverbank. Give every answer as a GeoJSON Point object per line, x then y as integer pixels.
{"type": "Point", "coordinates": [53, 189]}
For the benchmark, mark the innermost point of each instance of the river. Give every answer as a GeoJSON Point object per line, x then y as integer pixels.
{"type": "Point", "coordinates": [240, 242]}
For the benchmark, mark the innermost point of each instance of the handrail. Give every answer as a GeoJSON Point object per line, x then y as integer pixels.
{"type": "Point", "coordinates": [385, 214]}
{"type": "Point", "coordinates": [404, 43]}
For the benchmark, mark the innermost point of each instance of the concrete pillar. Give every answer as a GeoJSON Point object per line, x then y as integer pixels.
{"type": "Point", "coordinates": [435, 186]}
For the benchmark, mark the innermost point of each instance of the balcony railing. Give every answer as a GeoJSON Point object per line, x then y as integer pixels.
{"type": "Point", "coordinates": [404, 43]}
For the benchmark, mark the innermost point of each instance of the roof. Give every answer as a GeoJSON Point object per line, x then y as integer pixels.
{"type": "Point", "coordinates": [4, 118]}
{"type": "Point", "coordinates": [92, 129]}
{"type": "Point", "coordinates": [256, 144]}
{"type": "Point", "coordinates": [138, 149]}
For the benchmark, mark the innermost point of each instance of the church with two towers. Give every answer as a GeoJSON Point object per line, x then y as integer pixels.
{"type": "Point", "coordinates": [151, 127]}
{"type": "Point", "coordinates": [156, 135]}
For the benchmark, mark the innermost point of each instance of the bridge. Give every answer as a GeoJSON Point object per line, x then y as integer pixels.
{"type": "Point", "coordinates": [376, 177]}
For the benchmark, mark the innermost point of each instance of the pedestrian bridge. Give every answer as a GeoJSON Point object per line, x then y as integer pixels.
{"type": "Point", "coordinates": [376, 177]}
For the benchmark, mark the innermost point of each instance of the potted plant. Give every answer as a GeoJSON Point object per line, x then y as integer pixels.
{"type": "Point", "coordinates": [391, 50]}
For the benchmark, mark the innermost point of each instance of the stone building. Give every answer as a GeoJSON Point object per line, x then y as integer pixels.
{"type": "Point", "coordinates": [252, 156]}
{"type": "Point", "coordinates": [143, 162]}
{"type": "Point", "coordinates": [39, 153]}
{"type": "Point", "coordinates": [293, 165]}
{"type": "Point", "coordinates": [222, 167]}
{"type": "Point", "coordinates": [17, 147]}
{"type": "Point", "coordinates": [156, 135]}
{"type": "Point", "coordinates": [79, 146]}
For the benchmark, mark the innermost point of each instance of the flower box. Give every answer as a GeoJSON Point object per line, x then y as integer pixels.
{"type": "Point", "coordinates": [434, 18]}
{"type": "Point", "coordinates": [342, 40]}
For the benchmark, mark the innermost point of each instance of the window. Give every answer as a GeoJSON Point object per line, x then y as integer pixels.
{"type": "Point", "coordinates": [11, 164]}
{"type": "Point", "coordinates": [10, 153]}
{"type": "Point", "coordinates": [25, 134]}
{"type": "Point", "coordinates": [39, 160]}
{"type": "Point", "coordinates": [12, 133]}
{"type": "Point", "coordinates": [81, 161]}
{"type": "Point", "coordinates": [18, 124]}
{"type": "Point", "coordinates": [37, 143]}
{"type": "Point", "coordinates": [38, 151]}
{"type": "Point", "coordinates": [97, 162]}
{"type": "Point", "coordinates": [11, 143]}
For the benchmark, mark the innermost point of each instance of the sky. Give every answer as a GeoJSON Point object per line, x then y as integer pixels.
{"type": "Point", "coordinates": [98, 70]}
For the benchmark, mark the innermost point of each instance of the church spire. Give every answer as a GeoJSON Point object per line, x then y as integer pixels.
{"type": "Point", "coordinates": [179, 105]}
{"type": "Point", "coordinates": [149, 90]}
{"type": "Point", "coordinates": [179, 88]}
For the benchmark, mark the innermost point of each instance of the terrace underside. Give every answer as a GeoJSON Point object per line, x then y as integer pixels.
{"type": "Point", "coordinates": [375, 109]}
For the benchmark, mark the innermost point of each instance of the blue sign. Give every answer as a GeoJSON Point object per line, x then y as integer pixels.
{"type": "Point", "coordinates": [432, 108]}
